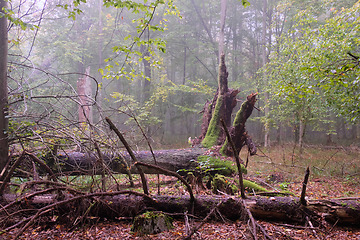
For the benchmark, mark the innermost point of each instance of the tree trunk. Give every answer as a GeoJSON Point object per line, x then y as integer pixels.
{"type": "Point", "coordinates": [147, 73]}
{"type": "Point", "coordinates": [238, 132]}
{"type": "Point", "coordinates": [225, 103]}
{"type": "Point", "coordinates": [264, 62]}
{"type": "Point", "coordinates": [84, 93]}
{"type": "Point", "coordinates": [4, 124]}
{"type": "Point", "coordinates": [222, 27]}
{"type": "Point", "coordinates": [113, 205]}
{"type": "Point", "coordinates": [74, 163]}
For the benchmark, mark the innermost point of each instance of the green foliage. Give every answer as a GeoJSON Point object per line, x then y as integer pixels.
{"type": "Point", "coordinates": [10, 15]}
{"type": "Point", "coordinates": [245, 3]}
{"type": "Point", "coordinates": [134, 41]}
{"type": "Point", "coordinates": [312, 74]}
{"type": "Point", "coordinates": [284, 185]}
{"type": "Point", "coordinates": [20, 129]}
{"type": "Point", "coordinates": [130, 104]}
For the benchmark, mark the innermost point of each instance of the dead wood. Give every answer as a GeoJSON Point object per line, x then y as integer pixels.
{"type": "Point", "coordinates": [238, 131]}
{"type": "Point", "coordinates": [80, 163]}
{"type": "Point", "coordinates": [116, 204]}
{"type": "Point", "coordinates": [237, 159]}
{"type": "Point", "coordinates": [303, 191]}
{"type": "Point", "coordinates": [167, 172]}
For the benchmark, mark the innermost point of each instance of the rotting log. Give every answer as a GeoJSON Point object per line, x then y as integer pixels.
{"type": "Point", "coordinates": [75, 163]}
{"type": "Point", "coordinates": [114, 205]}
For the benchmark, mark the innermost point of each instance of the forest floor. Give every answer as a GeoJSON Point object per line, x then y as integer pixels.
{"type": "Point", "coordinates": [335, 173]}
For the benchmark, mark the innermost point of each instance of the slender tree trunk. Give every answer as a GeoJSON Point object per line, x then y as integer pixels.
{"type": "Point", "coordinates": [147, 73]}
{"type": "Point", "coordinates": [264, 61]}
{"type": "Point", "coordinates": [100, 57]}
{"type": "Point", "coordinates": [4, 124]}
{"type": "Point", "coordinates": [222, 27]}
{"type": "Point", "coordinates": [197, 10]}
{"type": "Point", "coordinates": [184, 67]}
{"type": "Point", "coordinates": [302, 126]}
{"type": "Point", "coordinates": [84, 92]}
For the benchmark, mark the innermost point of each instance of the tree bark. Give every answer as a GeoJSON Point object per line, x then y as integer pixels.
{"type": "Point", "coordinates": [84, 93]}
{"type": "Point", "coordinates": [113, 205]}
{"type": "Point", "coordinates": [220, 108]}
{"type": "Point", "coordinates": [75, 163]}
{"type": "Point", "coordinates": [264, 62]}
{"type": "Point", "coordinates": [4, 124]}
{"type": "Point", "coordinates": [238, 131]}
{"type": "Point", "coordinates": [222, 27]}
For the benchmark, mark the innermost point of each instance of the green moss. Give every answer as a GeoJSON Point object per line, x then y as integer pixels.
{"type": "Point", "coordinates": [227, 185]}
{"type": "Point", "coordinates": [216, 165]}
{"type": "Point", "coordinates": [151, 223]}
{"type": "Point", "coordinates": [237, 120]}
{"type": "Point", "coordinates": [213, 131]}
{"type": "Point", "coordinates": [222, 183]}
{"type": "Point", "coordinates": [240, 114]}
{"type": "Point", "coordinates": [249, 186]}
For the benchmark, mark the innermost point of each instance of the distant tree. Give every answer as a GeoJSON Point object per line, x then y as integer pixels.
{"type": "Point", "coordinates": [315, 72]}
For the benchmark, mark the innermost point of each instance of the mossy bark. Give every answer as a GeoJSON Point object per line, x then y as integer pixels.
{"type": "Point", "coordinates": [214, 131]}
{"type": "Point", "coordinates": [220, 108]}
{"type": "Point", "coordinates": [151, 223]}
{"type": "Point", "coordinates": [238, 132]}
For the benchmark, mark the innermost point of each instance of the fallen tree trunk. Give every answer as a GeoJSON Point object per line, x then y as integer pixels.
{"type": "Point", "coordinates": [85, 163]}
{"type": "Point", "coordinates": [115, 204]}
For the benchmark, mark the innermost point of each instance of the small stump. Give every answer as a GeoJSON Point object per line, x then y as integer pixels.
{"type": "Point", "coordinates": [151, 223]}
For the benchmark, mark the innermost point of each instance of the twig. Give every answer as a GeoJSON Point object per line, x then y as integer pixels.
{"type": "Point", "coordinates": [47, 208]}
{"type": "Point", "coordinates": [236, 154]}
{"type": "Point", "coordinates": [9, 174]}
{"type": "Point", "coordinates": [42, 164]}
{"type": "Point", "coordinates": [165, 171]}
{"type": "Point", "coordinates": [102, 164]}
{"type": "Point", "coordinates": [255, 224]}
{"type": "Point", "coordinates": [312, 227]}
{"type": "Point", "coordinates": [150, 147]}
{"type": "Point", "coordinates": [122, 139]}
{"type": "Point", "coordinates": [195, 229]}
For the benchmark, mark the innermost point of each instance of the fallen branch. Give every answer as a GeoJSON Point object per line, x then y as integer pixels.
{"type": "Point", "coordinates": [164, 171]}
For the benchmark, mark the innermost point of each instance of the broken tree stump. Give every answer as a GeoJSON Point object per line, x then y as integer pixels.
{"type": "Point", "coordinates": [151, 223]}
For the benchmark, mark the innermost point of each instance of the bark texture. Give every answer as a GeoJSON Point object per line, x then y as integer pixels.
{"type": "Point", "coordinates": [238, 131]}
{"type": "Point", "coordinates": [221, 107]}
{"type": "Point", "coordinates": [115, 204]}
{"type": "Point", "coordinates": [85, 163]}
{"type": "Point", "coordinates": [4, 145]}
